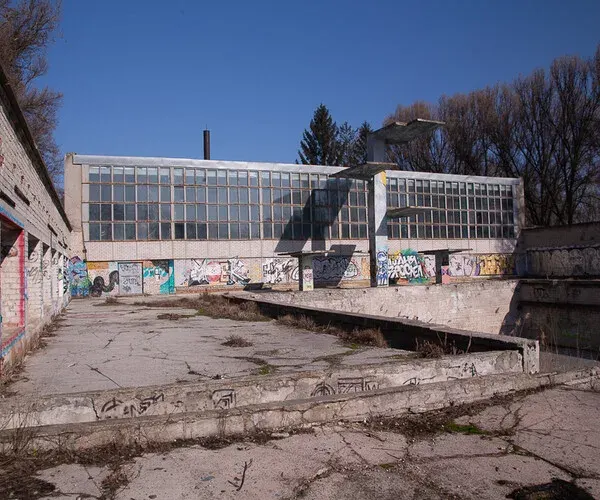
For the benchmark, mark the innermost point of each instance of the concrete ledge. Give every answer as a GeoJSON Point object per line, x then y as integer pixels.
{"type": "Point", "coordinates": [393, 401]}
{"type": "Point", "coordinates": [402, 333]}
{"type": "Point", "coordinates": [250, 390]}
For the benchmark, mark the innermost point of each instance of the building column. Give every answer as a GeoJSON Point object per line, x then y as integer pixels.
{"type": "Point", "coordinates": [34, 281]}
{"type": "Point", "coordinates": [378, 241]}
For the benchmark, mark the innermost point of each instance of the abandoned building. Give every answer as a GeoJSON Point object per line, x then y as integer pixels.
{"type": "Point", "coordinates": [160, 225]}
{"type": "Point", "coordinates": [34, 235]}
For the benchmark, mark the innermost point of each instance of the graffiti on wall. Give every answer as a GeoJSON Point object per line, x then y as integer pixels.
{"type": "Point", "coordinates": [482, 265]}
{"type": "Point", "coordinates": [231, 271]}
{"type": "Point", "coordinates": [38, 269]}
{"type": "Point", "coordinates": [335, 268]}
{"type": "Point", "coordinates": [382, 274]}
{"type": "Point", "coordinates": [78, 277]}
{"type": "Point", "coordinates": [103, 278]}
{"type": "Point", "coordinates": [99, 286]}
{"type": "Point", "coordinates": [159, 277]}
{"type": "Point", "coordinates": [565, 262]}
{"type": "Point", "coordinates": [409, 265]}
{"type": "Point", "coordinates": [280, 270]}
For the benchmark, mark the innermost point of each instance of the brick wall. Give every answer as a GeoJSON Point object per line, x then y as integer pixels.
{"type": "Point", "coordinates": [35, 238]}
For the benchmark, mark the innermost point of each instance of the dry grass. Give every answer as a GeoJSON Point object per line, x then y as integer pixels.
{"type": "Point", "coordinates": [429, 350]}
{"type": "Point", "coordinates": [109, 301]}
{"type": "Point", "coordinates": [360, 336]}
{"type": "Point", "coordinates": [237, 341]}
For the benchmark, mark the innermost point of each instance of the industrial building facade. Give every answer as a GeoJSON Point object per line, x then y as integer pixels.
{"type": "Point", "coordinates": [159, 225]}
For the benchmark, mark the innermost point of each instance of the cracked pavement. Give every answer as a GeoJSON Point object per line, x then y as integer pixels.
{"type": "Point", "coordinates": [529, 440]}
{"type": "Point", "coordinates": [98, 346]}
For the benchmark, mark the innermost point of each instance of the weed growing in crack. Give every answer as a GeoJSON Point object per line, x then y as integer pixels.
{"type": "Point", "coordinates": [237, 341]}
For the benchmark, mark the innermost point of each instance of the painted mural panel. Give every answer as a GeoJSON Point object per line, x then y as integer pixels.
{"type": "Point", "coordinates": [218, 272]}
{"type": "Point", "coordinates": [159, 277]}
{"type": "Point", "coordinates": [482, 265]}
{"type": "Point", "coordinates": [280, 270]}
{"type": "Point", "coordinates": [409, 266]}
{"type": "Point", "coordinates": [130, 278]}
{"type": "Point", "coordinates": [77, 274]}
{"type": "Point", "coordinates": [104, 278]}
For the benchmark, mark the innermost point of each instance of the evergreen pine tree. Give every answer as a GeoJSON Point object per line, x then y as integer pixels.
{"type": "Point", "coordinates": [319, 144]}
{"type": "Point", "coordinates": [346, 139]}
{"type": "Point", "coordinates": [359, 149]}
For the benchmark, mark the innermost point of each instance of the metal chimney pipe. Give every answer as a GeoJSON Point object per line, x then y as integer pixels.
{"type": "Point", "coordinates": [207, 144]}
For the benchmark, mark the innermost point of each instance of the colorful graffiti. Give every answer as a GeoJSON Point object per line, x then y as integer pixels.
{"type": "Point", "coordinates": [382, 274]}
{"type": "Point", "coordinates": [410, 266]}
{"type": "Point", "coordinates": [481, 265]}
{"type": "Point", "coordinates": [280, 271]}
{"type": "Point", "coordinates": [565, 262]}
{"type": "Point", "coordinates": [78, 277]}
{"type": "Point", "coordinates": [159, 277]}
{"type": "Point", "coordinates": [232, 271]}
{"type": "Point", "coordinates": [99, 286]}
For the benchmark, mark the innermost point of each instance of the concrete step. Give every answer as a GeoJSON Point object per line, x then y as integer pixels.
{"type": "Point", "coordinates": [356, 406]}
{"type": "Point", "coordinates": [239, 392]}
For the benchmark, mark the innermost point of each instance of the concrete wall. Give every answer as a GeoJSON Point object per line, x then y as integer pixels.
{"type": "Point", "coordinates": [482, 306]}
{"type": "Point", "coordinates": [560, 313]}
{"type": "Point", "coordinates": [35, 235]}
{"type": "Point", "coordinates": [563, 252]}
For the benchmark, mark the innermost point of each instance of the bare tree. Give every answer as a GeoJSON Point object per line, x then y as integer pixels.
{"type": "Point", "coordinates": [26, 30]}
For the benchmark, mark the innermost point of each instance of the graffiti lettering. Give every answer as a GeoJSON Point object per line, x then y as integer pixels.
{"type": "Point", "coordinates": [334, 268]}
{"type": "Point", "coordinates": [115, 408]}
{"type": "Point", "coordinates": [78, 277]}
{"type": "Point", "coordinates": [382, 274]}
{"type": "Point", "coordinates": [223, 399]}
{"type": "Point", "coordinates": [280, 271]}
{"type": "Point", "coordinates": [481, 265]}
{"type": "Point", "coordinates": [565, 263]}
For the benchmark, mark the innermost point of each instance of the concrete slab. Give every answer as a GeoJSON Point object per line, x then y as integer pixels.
{"type": "Point", "coordinates": [98, 346]}
{"type": "Point", "coordinates": [340, 461]}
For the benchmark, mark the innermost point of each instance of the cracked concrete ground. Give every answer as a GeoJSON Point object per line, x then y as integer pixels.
{"type": "Point", "coordinates": [529, 440]}
{"type": "Point", "coordinates": [103, 346]}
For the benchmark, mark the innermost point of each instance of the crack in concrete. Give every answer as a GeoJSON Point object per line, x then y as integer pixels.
{"type": "Point", "coordinates": [105, 376]}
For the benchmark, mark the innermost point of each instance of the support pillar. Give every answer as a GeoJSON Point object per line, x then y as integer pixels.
{"type": "Point", "coordinates": [378, 241]}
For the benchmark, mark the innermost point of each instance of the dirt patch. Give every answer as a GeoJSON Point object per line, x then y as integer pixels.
{"type": "Point", "coordinates": [556, 490]}
{"type": "Point", "coordinates": [237, 341]}
{"type": "Point", "coordinates": [174, 316]}
{"type": "Point", "coordinates": [428, 424]}
{"type": "Point", "coordinates": [109, 301]}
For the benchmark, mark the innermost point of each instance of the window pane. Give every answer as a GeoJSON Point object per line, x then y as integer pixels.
{"type": "Point", "coordinates": [129, 193]}
{"type": "Point", "coordinates": [178, 176]}
{"type": "Point", "coordinates": [179, 230]}
{"type": "Point", "coordinates": [190, 177]}
{"type": "Point", "coordinates": [129, 176]}
{"type": "Point", "coordinates": [119, 212]}
{"type": "Point", "coordinates": [212, 212]}
{"type": "Point", "coordinates": [178, 194]}
{"type": "Point", "coordinates": [222, 195]}
{"type": "Point", "coordinates": [165, 175]}
{"type": "Point", "coordinates": [142, 175]}
{"type": "Point", "coordinates": [200, 176]}
{"type": "Point", "coordinates": [201, 231]}
{"type": "Point", "coordinates": [153, 231]}
{"type": "Point", "coordinates": [142, 211]}
{"type": "Point", "coordinates": [165, 231]}
{"type": "Point", "coordinates": [212, 195]}
{"type": "Point", "coordinates": [234, 231]}
{"type": "Point", "coordinates": [142, 193]}
{"type": "Point", "coordinates": [190, 194]}
{"type": "Point", "coordinates": [94, 232]}
{"type": "Point", "coordinates": [201, 212]}
{"type": "Point", "coordinates": [105, 174]}
{"type": "Point", "coordinates": [152, 175]}
{"type": "Point", "coordinates": [153, 212]}
{"type": "Point", "coordinates": [243, 195]}
{"type": "Point", "coordinates": [105, 212]}
{"type": "Point", "coordinates": [190, 228]}
{"type": "Point", "coordinates": [165, 193]}
{"type": "Point", "coordinates": [130, 231]}
{"type": "Point", "coordinates": [211, 177]}
{"type": "Point", "coordinates": [118, 232]}
{"type": "Point", "coordinates": [142, 230]}
{"type": "Point", "coordinates": [94, 211]}
{"type": "Point", "coordinates": [94, 174]}
{"type": "Point", "coordinates": [201, 195]}
{"type": "Point", "coordinates": [253, 177]}
{"type": "Point", "coordinates": [165, 212]}
{"type": "Point", "coordinates": [223, 231]}
{"type": "Point", "coordinates": [118, 192]}
{"type": "Point", "coordinates": [190, 212]}
{"type": "Point", "coordinates": [153, 193]}
{"type": "Point", "coordinates": [179, 212]}
{"type": "Point", "coordinates": [105, 192]}
{"type": "Point", "coordinates": [223, 213]}
{"type": "Point", "coordinates": [106, 232]}
{"type": "Point", "coordinates": [233, 195]}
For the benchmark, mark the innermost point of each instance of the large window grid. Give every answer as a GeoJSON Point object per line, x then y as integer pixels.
{"type": "Point", "coordinates": [458, 209]}
{"type": "Point", "coordinates": [151, 203]}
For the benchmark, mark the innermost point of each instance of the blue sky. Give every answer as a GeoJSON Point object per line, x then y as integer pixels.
{"type": "Point", "coordinates": [144, 77]}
